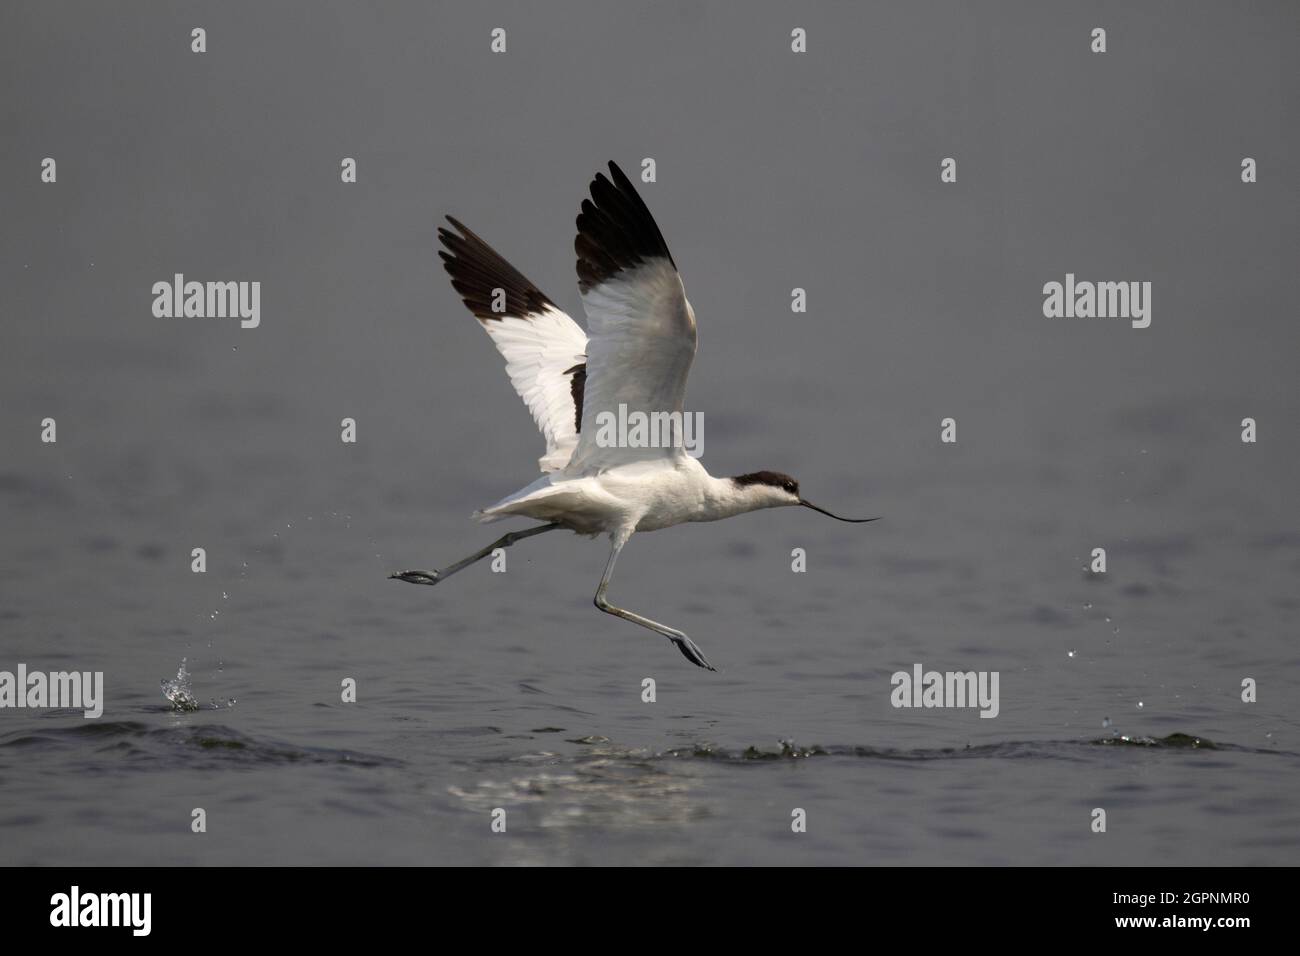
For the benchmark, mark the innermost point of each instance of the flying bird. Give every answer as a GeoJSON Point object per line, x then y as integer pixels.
{"type": "Point", "coordinates": [634, 358]}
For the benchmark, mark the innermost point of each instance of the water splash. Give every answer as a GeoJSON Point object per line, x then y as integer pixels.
{"type": "Point", "coordinates": [179, 691]}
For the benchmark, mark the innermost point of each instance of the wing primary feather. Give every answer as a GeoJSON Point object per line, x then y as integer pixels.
{"type": "Point", "coordinates": [477, 271]}
{"type": "Point", "coordinates": [616, 231]}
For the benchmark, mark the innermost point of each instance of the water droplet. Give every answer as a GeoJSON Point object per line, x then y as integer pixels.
{"type": "Point", "coordinates": [1140, 704]}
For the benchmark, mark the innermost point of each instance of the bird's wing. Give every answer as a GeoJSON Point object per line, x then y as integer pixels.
{"type": "Point", "coordinates": [544, 349]}
{"type": "Point", "coordinates": [641, 328]}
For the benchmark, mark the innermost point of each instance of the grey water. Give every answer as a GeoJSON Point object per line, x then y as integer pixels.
{"type": "Point", "coordinates": [1120, 691]}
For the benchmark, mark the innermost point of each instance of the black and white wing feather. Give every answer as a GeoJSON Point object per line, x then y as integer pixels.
{"type": "Point", "coordinates": [544, 349]}
{"type": "Point", "coordinates": [641, 330]}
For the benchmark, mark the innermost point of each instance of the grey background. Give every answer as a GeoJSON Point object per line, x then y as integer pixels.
{"type": "Point", "coordinates": [774, 171]}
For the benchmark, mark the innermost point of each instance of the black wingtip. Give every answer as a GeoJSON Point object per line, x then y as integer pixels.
{"type": "Point", "coordinates": [616, 173]}
{"type": "Point", "coordinates": [477, 271]}
{"type": "Point", "coordinates": [616, 231]}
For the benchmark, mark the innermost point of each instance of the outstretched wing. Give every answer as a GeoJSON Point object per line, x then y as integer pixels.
{"type": "Point", "coordinates": [641, 329]}
{"type": "Point", "coordinates": [544, 349]}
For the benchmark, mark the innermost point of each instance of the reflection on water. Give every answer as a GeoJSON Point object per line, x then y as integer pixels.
{"type": "Point", "coordinates": [603, 786]}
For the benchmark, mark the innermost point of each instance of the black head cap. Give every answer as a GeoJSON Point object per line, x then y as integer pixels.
{"type": "Point", "coordinates": [773, 478]}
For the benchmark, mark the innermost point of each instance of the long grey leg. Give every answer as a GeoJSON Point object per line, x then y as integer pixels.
{"type": "Point", "coordinates": [684, 644]}
{"type": "Point", "coordinates": [505, 541]}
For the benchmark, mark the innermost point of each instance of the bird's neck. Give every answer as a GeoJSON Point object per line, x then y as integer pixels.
{"type": "Point", "coordinates": [723, 498]}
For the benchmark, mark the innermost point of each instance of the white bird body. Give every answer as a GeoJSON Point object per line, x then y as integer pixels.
{"type": "Point", "coordinates": [634, 358]}
{"type": "Point", "coordinates": [643, 496]}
